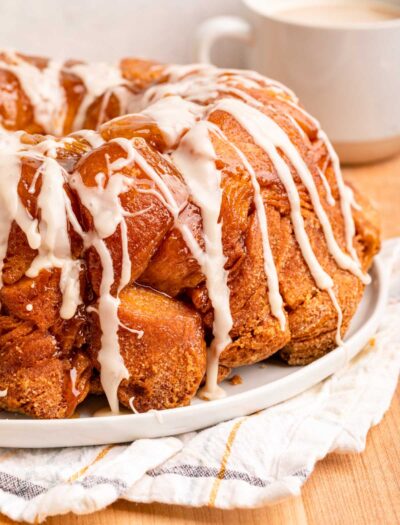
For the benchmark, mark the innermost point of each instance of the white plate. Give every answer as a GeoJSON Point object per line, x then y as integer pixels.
{"type": "Point", "coordinates": [263, 385]}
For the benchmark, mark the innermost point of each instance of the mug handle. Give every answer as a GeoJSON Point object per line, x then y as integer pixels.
{"type": "Point", "coordinates": [218, 27]}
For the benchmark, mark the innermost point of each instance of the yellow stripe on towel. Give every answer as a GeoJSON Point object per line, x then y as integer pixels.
{"type": "Point", "coordinates": [83, 470]}
{"type": "Point", "coordinates": [224, 462]}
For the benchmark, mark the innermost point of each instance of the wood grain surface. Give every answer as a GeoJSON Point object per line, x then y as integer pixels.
{"type": "Point", "coordinates": [343, 489]}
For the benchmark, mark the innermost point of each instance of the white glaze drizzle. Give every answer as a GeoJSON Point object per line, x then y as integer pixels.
{"type": "Point", "coordinates": [265, 129]}
{"type": "Point", "coordinates": [139, 333]}
{"type": "Point", "coordinates": [104, 412]}
{"type": "Point", "coordinates": [73, 375]}
{"type": "Point", "coordinates": [173, 116]}
{"type": "Point", "coordinates": [202, 84]}
{"type": "Point", "coordinates": [346, 200]}
{"type": "Point", "coordinates": [274, 296]}
{"type": "Point", "coordinates": [108, 214]}
{"type": "Point", "coordinates": [268, 135]}
{"type": "Point", "coordinates": [48, 98]}
{"type": "Point", "coordinates": [93, 138]}
{"type": "Point", "coordinates": [11, 208]}
{"type": "Point", "coordinates": [195, 158]}
{"type": "Point", "coordinates": [132, 406]}
{"type": "Point", "coordinates": [49, 236]}
{"type": "Point", "coordinates": [346, 194]}
{"type": "Point", "coordinates": [166, 190]}
{"type": "Point", "coordinates": [327, 188]}
{"type": "Point", "coordinates": [207, 75]}
{"type": "Point", "coordinates": [113, 369]}
{"type": "Point", "coordinates": [3, 393]}
{"type": "Point", "coordinates": [55, 247]}
{"type": "Point", "coordinates": [157, 414]}
{"type": "Point", "coordinates": [43, 88]}
{"type": "Point", "coordinates": [124, 96]}
{"type": "Point", "coordinates": [98, 79]}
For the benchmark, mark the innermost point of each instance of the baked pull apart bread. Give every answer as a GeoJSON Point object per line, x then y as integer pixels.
{"type": "Point", "coordinates": [161, 225]}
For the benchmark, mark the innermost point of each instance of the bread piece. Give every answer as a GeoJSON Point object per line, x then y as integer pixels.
{"type": "Point", "coordinates": [167, 363]}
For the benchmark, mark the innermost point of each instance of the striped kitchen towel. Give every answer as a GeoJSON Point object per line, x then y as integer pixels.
{"type": "Point", "coordinates": [246, 462]}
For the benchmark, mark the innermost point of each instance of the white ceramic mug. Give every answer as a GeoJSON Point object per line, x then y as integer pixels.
{"type": "Point", "coordinates": [347, 76]}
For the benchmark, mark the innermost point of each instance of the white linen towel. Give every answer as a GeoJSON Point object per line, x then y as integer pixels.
{"type": "Point", "coordinates": [246, 462]}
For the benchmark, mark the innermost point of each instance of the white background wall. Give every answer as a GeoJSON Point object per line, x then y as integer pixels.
{"type": "Point", "coordinates": [109, 29]}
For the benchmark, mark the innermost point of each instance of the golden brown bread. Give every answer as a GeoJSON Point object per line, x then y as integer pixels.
{"type": "Point", "coordinates": [167, 363]}
{"type": "Point", "coordinates": [145, 230]}
{"type": "Point", "coordinates": [39, 351]}
{"type": "Point", "coordinates": [17, 109]}
{"type": "Point", "coordinates": [159, 284]}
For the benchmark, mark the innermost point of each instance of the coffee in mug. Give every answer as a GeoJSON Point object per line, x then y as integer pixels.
{"type": "Point", "coordinates": [335, 13]}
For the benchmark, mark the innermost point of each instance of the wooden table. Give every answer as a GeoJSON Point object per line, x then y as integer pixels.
{"type": "Point", "coordinates": [343, 489]}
